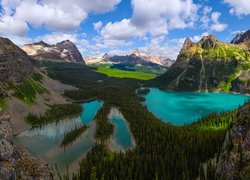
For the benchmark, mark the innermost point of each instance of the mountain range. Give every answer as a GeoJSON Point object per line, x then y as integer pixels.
{"type": "Point", "coordinates": [210, 65]}
{"type": "Point", "coordinates": [65, 51]}
{"type": "Point", "coordinates": [137, 57]}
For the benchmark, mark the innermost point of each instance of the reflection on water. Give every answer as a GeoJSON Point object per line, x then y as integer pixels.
{"type": "Point", "coordinates": [122, 138]}
{"type": "Point", "coordinates": [44, 142]}
{"type": "Point", "coordinates": [179, 108]}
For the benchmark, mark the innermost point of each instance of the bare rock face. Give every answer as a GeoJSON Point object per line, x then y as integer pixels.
{"type": "Point", "coordinates": [242, 38]}
{"type": "Point", "coordinates": [242, 83]}
{"type": "Point", "coordinates": [188, 43]}
{"type": "Point", "coordinates": [15, 163]}
{"type": "Point", "coordinates": [235, 157]}
{"type": "Point", "coordinates": [207, 66]}
{"type": "Point", "coordinates": [15, 64]}
{"type": "Point", "coordinates": [208, 42]}
{"type": "Point", "coordinates": [65, 51]}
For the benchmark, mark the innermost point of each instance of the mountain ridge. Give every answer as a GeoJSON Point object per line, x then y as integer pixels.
{"type": "Point", "coordinates": [209, 65]}
{"type": "Point", "coordinates": [15, 64]}
{"type": "Point", "coordinates": [64, 50]}
{"type": "Point", "coordinates": [135, 57]}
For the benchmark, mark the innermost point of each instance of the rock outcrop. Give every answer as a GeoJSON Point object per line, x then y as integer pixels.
{"type": "Point", "coordinates": [234, 161]}
{"type": "Point", "coordinates": [15, 163]}
{"type": "Point", "coordinates": [65, 51]}
{"type": "Point", "coordinates": [242, 38]}
{"type": "Point", "coordinates": [208, 65]}
{"type": "Point", "coordinates": [15, 64]}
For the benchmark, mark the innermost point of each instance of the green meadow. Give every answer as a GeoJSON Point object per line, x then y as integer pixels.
{"type": "Point", "coordinates": [125, 74]}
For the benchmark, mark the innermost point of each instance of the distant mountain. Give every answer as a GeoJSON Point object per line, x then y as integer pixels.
{"type": "Point", "coordinates": [90, 60]}
{"type": "Point", "coordinates": [242, 38]}
{"type": "Point", "coordinates": [65, 51]}
{"type": "Point", "coordinates": [137, 57]}
{"type": "Point", "coordinates": [208, 65]}
{"type": "Point", "coordinates": [142, 58]}
{"type": "Point", "coordinates": [237, 38]}
{"type": "Point", "coordinates": [15, 64]}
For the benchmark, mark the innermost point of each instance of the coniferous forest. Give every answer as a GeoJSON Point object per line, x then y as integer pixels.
{"type": "Point", "coordinates": [162, 151]}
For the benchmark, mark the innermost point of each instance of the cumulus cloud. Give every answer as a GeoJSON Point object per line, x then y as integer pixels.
{"type": "Point", "coordinates": [98, 25]}
{"type": "Point", "coordinates": [57, 15]}
{"type": "Point", "coordinates": [239, 7]}
{"type": "Point", "coordinates": [216, 25]}
{"type": "Point", "coordinates": [58, 37]}
{"type": "Point", "coordinates": [155, 17]}
{"type": "Point", "coordinates": [197, 38]}
{"type": "Point", "coordinates": [121, 30]}
{"type": "Point", "coordinates": [210, 20]}
{"type": "Point", "coordinates": [11, 25]}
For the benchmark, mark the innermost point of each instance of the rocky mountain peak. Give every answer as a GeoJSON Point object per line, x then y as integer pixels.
{"type": "Point", "coordinates": [237, 38]}
{"type": "Point", "coordinates": [208, 42]}
{"type": "Point", "coordinates": [42, 43]}
{"type": "Point", "coordinates": [188, 43]}
{"type": "Point", "coordinates": [136, 52]}
{"type": "Point", "coordinates": [243, 38]}
{"type": "Point", "coordinates": [65, 50]}
{"type": "Point", "coordinates": [7, 45]}
{"type": "Point", "coordinates": [15, 64]}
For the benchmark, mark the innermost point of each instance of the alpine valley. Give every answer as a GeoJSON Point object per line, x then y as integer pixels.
{"type": "Point", "coordinates": [64, 115]}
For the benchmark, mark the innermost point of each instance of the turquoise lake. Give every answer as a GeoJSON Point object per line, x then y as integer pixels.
{"type": "Point", "coordinates": [122, 138]}
{"type": "Point", "coordinates": [180, 108]}
{"type": "Point", "coordinates": [44, 142]}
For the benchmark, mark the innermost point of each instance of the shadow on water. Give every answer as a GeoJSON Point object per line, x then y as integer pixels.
{"type": "Point", "coordinates": [45, 142]}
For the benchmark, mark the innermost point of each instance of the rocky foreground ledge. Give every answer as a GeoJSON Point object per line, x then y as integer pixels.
{"type": "Point", "coordinates": [15, 163]}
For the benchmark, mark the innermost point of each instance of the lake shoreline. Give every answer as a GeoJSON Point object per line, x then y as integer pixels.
{"type": "Point", "coordinates": [112, 145]}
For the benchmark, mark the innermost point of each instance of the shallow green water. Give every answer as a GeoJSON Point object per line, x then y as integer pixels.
{"type": "Point", "coordinates": [122, 138]}
{"type": "Point", "coordinates": [44, 142]}
{"type": "Point", "coordinates": [179, 108]}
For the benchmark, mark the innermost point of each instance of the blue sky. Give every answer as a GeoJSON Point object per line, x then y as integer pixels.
{"type": "Point", "coordinates": [119, 26]}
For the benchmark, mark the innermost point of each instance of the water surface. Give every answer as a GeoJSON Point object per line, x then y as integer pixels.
{"type": "Point", "coordinates": [44, 142]}
{"type": "Point", "coordinates": [122, 138]}
{"type": "Point", "coordinates": [179, 108]}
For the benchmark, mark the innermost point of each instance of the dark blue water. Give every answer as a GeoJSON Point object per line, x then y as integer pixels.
{"type": "Point", "coordinates": [179, 108]}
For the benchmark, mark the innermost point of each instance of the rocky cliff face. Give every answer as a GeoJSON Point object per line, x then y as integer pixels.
{"type": "Point", "coordinates": [242, 38]}
{"type": "Point", "coordinates": [15, 64]}
{"type": "Point", "coordinates": [16, 163]}
{"type": "Point", "coordinates": [65, 51]}
{"type": "Point", "coordinates": [234, 161]}
{"type": "Point", "coordinates": [208, 65]}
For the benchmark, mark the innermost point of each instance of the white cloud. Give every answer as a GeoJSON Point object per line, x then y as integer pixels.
{"type": "Point", "coordinates": [57, 15]}
{"type": "Point", "coordinates": [98, 25]}
{"type": "Point", "coordinates": [197, 38]}
{"type": "Point", "coordinates": [216, 25]}
{"type": "Point", "coordinates": [239, 7]}
{"type": "Point", "coordinates": [58, 37]}
{"type": "Point", "coordinates": [155, 17]}
{"type": "Point", "coordinates": [19, 40]}
{"type": "Point", "coordinates": [210, 20]}
{"type": "Point", "coordinates": [121, 30]}
{"type": "Point", "coordinates": [11, 25]}
{"type": "Point", "coordinates": [164, 47]}
{"type": "Point", "coordinates": [205, 18]}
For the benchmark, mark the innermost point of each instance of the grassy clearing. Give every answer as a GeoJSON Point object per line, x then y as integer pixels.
{"type": "Point", "coordinates": [27, 90]}
{"type": "Point", "coordinates": [3, 104]}
{"type": "Point", "coordinates": [56, 113]}
{"type": "Point", "coordinates": [125, 74]}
